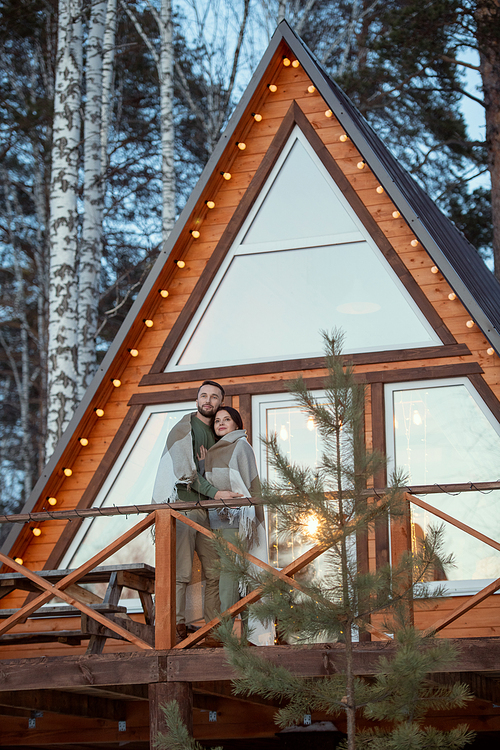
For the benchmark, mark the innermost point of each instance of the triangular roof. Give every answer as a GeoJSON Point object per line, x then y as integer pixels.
{"type": "Point", "coordinates": [456, 259]}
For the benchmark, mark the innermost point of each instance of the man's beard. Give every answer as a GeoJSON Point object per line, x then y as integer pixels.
{"type": "Point", "coordinates": [207, 412]}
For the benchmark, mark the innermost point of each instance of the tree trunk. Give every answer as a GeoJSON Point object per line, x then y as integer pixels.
{"type": "Point", "coordinates": [91, 245]}
{"type": "Point", "coordinates": [108, 67]}
{"type": "Point", "coordinates": [488, 23]}
{"type": "Point", "coordinates": [63, 228]}
{"type": "Point", "coordinates": [166, 74]}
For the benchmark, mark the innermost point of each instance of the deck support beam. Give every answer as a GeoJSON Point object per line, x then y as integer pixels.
{"type": "Point", "coordinates": [161, 693]}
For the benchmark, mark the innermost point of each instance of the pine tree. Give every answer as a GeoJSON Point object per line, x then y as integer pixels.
{"type": "Point", "coordinates": [346, 600]}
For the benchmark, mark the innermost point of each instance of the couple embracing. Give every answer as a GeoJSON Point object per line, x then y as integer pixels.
{"type": "Point", "coordinates": [208, 456]}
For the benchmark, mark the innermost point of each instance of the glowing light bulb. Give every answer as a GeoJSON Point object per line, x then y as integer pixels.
{"type": "Point", "coordinates": [283, 432]}
{"type": "Point", "coordinates": [67, 472]}
{"type": "Point", "coordinates": [417, 419]}
{"type": "Point", "coordinates": [490, 351]}
{"type": "Point", "coordinates": [361, 165]}
{"type": "Point", "coordinates": [295, 64]}
{"type": "Point", "coordinates": [286, 62]}
{"type": "Point", "coordinates": [36, 531]}
{"type": "Point", "coordinates": [19, 560]}
{"type": "Point", "coordinates": [99, 412]}
{"type": "Point", "coordinates": [434, 269]}
{"type": "Point", "coordinates": [241, 146]}
{"type": "Point", "coordinates": [226, 175]}
{"type": "Point", "coordinates": [311, 525]}
{"type": "Point", "coordinates": [52, 500]}
{"type": "Point", "coordinates": [83, 441]}
{"type": "Point", "coordinates": [328, 113]}
{"type": "Point", "coordinates": [195, 233]}
{"type": "Point", "coordinates": [414, 243]}
{"type": "Point", "coordinates": [310, 424]}
{"type": "Point", "coordinates": [257, 117]}
{"type": "Point", "coordinates": [470, 324]}
{"type": "Point", "coordinates": [164, 292]}
{"type": "Point", "coordinates": [343, 138]}
{"type": "Point", "coordinates": [181, 263]}
{"type": "Point", "coordinates": [116, 382]}
{"type": "Point", "coordinates": [210, 204]}
{"type": "Point", "coordinates": [148, 323]}
{"type": "Point", "coordinates": [134, 352]}
{"type": "Point", "coordinates": [311, 89]}
{"type": "Point", "coordinates": [272, 87]}
{"type": "Point", "coordinates": [396, 214]}
{"type": "Point", "coordinates": [380, 189]}
{"type": "Point", "coordinates": [452, 296]}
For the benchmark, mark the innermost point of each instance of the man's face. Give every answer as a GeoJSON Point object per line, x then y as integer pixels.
{"type": "Point", "coordinates": [208, 401]}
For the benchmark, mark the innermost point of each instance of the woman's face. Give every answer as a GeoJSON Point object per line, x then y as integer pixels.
{"type": "Point", "coordinates": [224, 423]}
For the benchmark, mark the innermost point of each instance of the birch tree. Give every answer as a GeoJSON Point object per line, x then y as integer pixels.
{"type": "Point", "coordinates": [63, 231]}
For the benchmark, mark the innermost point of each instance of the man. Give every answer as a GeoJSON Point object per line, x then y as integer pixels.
{"type": "Point", "coordinates": [178, 478]}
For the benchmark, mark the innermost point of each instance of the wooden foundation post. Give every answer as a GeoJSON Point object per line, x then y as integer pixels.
{"type": "Point", "coordinates": [165, 580]}
{"type": "Point", "coordinates": [161, 693]}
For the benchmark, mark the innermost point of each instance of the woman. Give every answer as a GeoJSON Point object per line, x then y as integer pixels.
{"type": "Point", "coordinates": [230, 465]}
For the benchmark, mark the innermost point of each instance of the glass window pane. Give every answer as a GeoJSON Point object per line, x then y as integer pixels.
{"type": "Point", "coordinates": [273, 305]}
{"type": "Point", "coordinates": [300, 204]}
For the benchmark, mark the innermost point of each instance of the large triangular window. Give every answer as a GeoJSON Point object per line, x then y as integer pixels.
{"type": "Point", "coordinates": [301, 262]}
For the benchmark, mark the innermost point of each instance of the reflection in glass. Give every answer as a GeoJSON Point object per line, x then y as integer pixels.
{"type": "Point", "coordinates": [442, 435]}
{"type": "Point", "coordinates": [272, 305]}
{"type": "Point", "coordinates": [135, 473]}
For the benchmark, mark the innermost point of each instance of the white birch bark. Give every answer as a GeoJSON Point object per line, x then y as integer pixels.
{"type": "Point", "coordinates": [63, 224]}
{"type": "Point", "coordinates": [166, 75]}
{"type": "Point", "coordinates": [108, 67]}
{"type": "Point", "coordinates": [91, 245]}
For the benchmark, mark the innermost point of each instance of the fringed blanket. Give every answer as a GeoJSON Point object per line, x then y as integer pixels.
{"type": "Point", "coordinates": [230, 465]}
{"type": "Point", "coordinates": [178, 453]}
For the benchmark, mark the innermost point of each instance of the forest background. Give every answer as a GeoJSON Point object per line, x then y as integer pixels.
{"type": "Point", "coordinates": [109, 109]}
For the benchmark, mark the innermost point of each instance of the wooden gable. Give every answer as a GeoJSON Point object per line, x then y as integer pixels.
{"type": "Point", "coordinates": [399, 219]}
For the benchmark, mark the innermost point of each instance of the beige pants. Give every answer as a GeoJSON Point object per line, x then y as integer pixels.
{"type": "Point", "coordinates": [187, 541]}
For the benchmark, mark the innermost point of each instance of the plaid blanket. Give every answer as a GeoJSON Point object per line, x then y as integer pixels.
{"type": "Point", "coordinates": [230, 465]}
{"type": "Point", "coordinates": [176, 463]}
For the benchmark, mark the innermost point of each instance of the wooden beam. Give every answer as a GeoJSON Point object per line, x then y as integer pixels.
{"type": "Point", "coordinates": [159, 695]}
{"type": "Point", "coordinates": [70, 704]}
{"type": "Point", "coordinates": [208, 665]}
{"type": "Point", "coordinates": [481, 686]}
{"type": "Point", "coordinates": [165, 546]}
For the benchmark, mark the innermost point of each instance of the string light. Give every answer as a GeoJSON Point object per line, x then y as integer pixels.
{"type": "Point", "coordinates": [164, 292]}
{"type": "Point", "coordinates": [283, 432]}
{"type": "Point", "coordinates": [116, 382]}
{"type": "Point", "coordinates": [311, 89]}
{"type": "Point", "coordinates": [414, 243]}
{"type": "Point", "coordinates": [195, 233]}
{"type": "Point", "coordinates": [328, 113]}
{"type": "Point", "coordinates": [83, 441]}
{"type": "Point", "coordinates": [343, 138]}
{"type": "Point", "coordinates": [134, 352]}
{"type": "Point", "coordinates": [36, 531]}
{"type": "Point", "coordinates": [470, 324]}
{"type": "Point", "coordinates": [361, 164]}
{"type": "Point", "coordinates": [380, 189]}
{"type": "Point", "coordinates": [180, 263]}
{"type": "Point", "coordinates": [148, 322]}
{"type": "Point", "coordinates": [19, 560]}
{"type": "Point", "coordinates": [490, 351]}
{"type": "Point", "coordinates": [67, 472]}
{"type": "Point", "coordinates": [226, 175]}
{"type": "Point", "coordinates": [99, 411]}
{"type": "Point", "coordinates": [272, 87]}
{"type": "Point", "coordinates": [286, 62]}
{"type": "Point", "coordinates": [210, 204]}
{"type": "Point", "coordinates": [396, 214]}
{"type": "Point", "coordinates": [256, 116]}
{"type": "Point", "coordinates": [434, 269]}
{"type": "Point", "coordinates": [241, 146]}
{"type": "Point", "coordinates": [452, 296]}
{"type": "Point", "coordinates": [295, 64]}
{"type": "Point", "coordinates": [52, 500]}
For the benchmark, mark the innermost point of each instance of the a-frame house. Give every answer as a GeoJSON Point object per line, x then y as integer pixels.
{"type": "Point", "coordinates": [302, 220]}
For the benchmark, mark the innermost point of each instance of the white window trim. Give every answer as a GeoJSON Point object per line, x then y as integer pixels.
{"type": "Point", "coordinates": [238, 248]}
{"type": "Point", "coordinates": [464, 587]}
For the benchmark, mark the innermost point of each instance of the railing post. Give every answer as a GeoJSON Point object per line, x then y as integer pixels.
{"type": "Point", "coordinates": [165, 579]}
{"type": "Point", "coordinates": [401, 543]}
